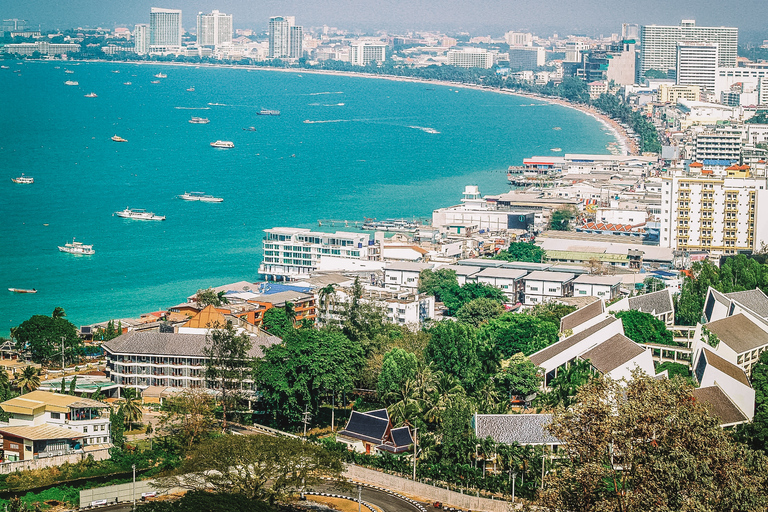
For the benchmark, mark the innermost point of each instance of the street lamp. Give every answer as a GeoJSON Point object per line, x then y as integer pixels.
{"type": "Point", "coordinates": [62, 357]}
{"type": "Point", "coordinates": [133, 466]}
{"type": "Point", "coordinates": [514, 477]}
{"type": "Point", "coordinates": [415, 430]}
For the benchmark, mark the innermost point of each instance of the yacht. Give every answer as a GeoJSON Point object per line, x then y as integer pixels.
{"type": "Point", "coordinates": [91, 95]}
{"type": "Point", "coordinates": [77, 248]}
{"type": "Point", "coordinates": [118, 138]}
{"type": "Point", "coordinates": [71, 82]}
{"type": "Point", "coordinates": [199, 120]}
{"type": "Point", "coordinates": [161, 75]}
{"type": "Point", "coordinates": [266, 112]}
{"type": "Point", "coordinates": [200, 196]}
{"type": "Point", "coordinates": [138, 214]}
{"type": "Point", "coordinates": [23, 179]}
{"type": "Point", "coordinates": [222, 144]}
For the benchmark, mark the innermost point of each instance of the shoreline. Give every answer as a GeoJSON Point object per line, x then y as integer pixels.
{"type": "Point", "coordinates": [626, 145]}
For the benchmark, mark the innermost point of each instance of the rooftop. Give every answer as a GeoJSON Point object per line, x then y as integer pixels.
{"type": "Point", "coordinates": [39, 401]}
{"type": "Point", "coordinates": [720, 406]}
{"type": "Point", "coordinates": [656, 303]}
{"type": "Point", "coordinates": [506, 273]}
{"type": "Point", "coordinates": [726, 367]}
{"type": "Point", "coordinates": [599, 280]}
{"type": "Point", "coordinates": [612, 353]}
{"type": "Point", "coordinates": [525, 429]}
{"type": "Point", "coordinates": [582, 315]}
{"type": "Point", "coordinates": [739, 332]}
{"type": "Point", "coordinates": [555, 277]}
{"type": "Point", "coordinates": [40, 432]}
{"type": "Point", "coordinates": [407, 266]}
{"type": "Point", "coordinates": [551, 351]}
{"type": "Point", "coordinates": [174, 344]}
{"type": "Point", "coordinates": [754, 300]}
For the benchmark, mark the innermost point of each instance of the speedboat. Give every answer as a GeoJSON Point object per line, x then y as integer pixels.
{"type": "Point", "coordinates": [126, 83]}
{"type": "Point", "coordinates": [155, 82]}
{"type": "Point", "coordinates": [69, 71]}
{"type": "Point", "coordinates": [200, 196]}
{"type": "Point", "coordinates": [199, 120]}
{"type": "Point", "coordinates": [266, 112]}
{"type": "Point", "coordinates": [250, 129]}
{"type": "Point", "coordinates": [161, 75]}
{"type": "Point", "coordinates": [91, 95]}
{"type": "Point", "coordinates": [191, 89]}
{"type": "Point", "coordinates": [71, 82]}
{"type": "Point", "coordinates": [224, 144]}
{"type": "Point", "coordinates": [77, 248]}
{"type": "Point", "coordinates": [22, 290]}
{"type": "Point", "coordinates": [23, 179]}
{"type": "Point", "coordinates": [118, 138]}
{"type": "Point", "coordinates": [138, 214]}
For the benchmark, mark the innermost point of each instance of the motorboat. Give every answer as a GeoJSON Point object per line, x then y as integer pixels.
{"type": "Point", "coordinates": [200, 196]}
{"type": "Point", "coordinates": [77, 248]}
{"type": "Point", "coordinates": [91, 95]}
{"type": "Point", "coordinates": [191, 89]}
{"type": "Point", "coordinates": [250, 129]}
{"type": "Point", "coordinates": [23, 179]}
{"type": "Point", "coordinates": [126, 83]}
{"type": "Point", "coordinates": [267, 112]}
{"type": "Point", "coordinates": [224, 144]}
{"type": "Point", "coordinates": [71, 82]}
{"type": "Point", "coordinates": [199, 120]}
{"type": "Point", "coordinates": [138, 214]}
{"type": "Point", "coordinates": [118, 138]}
{"type": "Point", "coordinates": [22, 290]}
{"type": "Point", "coordinates": [161, 75]}
{"type": "Point", "coordinates": [155, 82]}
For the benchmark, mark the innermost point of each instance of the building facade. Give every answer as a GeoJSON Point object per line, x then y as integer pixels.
{"type": "Point", "coordinates": [526, 58]}
{"type": "Point", "coordinates": [141, 38]}
{"type": "Point", "coordinates": [165, 30]}
{"type": "Point", "coordinates": [214, 29]}
{"type": "Point", "coordinates": [362, 53]}
{"type": "Point", "coordinates": [285, 38]}
{"type": "Point", "coordinates": [470, 58]}
{"type": "Point", "coordinates": [697, 65]}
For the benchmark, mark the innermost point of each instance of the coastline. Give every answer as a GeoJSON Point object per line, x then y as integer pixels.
{"type": "Point", "coordinates": [626, 145]}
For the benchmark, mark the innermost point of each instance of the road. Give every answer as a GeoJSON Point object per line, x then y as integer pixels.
{"type": "Point", "coordinates": [385, 501]}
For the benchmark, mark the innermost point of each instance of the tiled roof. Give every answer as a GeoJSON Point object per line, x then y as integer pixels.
{"type": "Point", "coordinates": [599, 280]}
{"type": "Point", "coordinates": [612, 353]}
{"type": "Point", "coordinates": [582, 315]}
{"type": "Point", "coordinates": [754, 300]}
{"type": "Point", "coordinates": [41, 432]}
{"type": "Point", "coordinates": [548, 353]}
{"type": "Point", "coordinates": [366, 427]}
{"type": "Point", "coordinates": [739, 332]}
{"type": "Point", "coordinates": [553, 277]}
{"type": "Point", "coordinates": [524, 429]}
{"type": "Point", "coordinates": [720, 405]}
{"type": "Point", "coordinates": [656, 303]}
{"type": "Point", "coordinates": [726, 367]}
{"type": "Point", "coordinates": [506, 273]}
{"type": "Point", "coordinates": [174, 344]}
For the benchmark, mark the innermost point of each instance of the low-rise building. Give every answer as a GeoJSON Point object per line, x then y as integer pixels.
{"type": "Point", "coordinates": [712, 371]}
{"type": "Point", "coordinates": [403, 274]}
{"type": "Point", "coordinates": [372, 433]}
{"type": "Point", "coordinates": [508, 280]}
{"type": "Point", "coordinates": [658, 304]}
{"type": "Point", "coordinates": [605, 287]}
{"type": "Point", "coordinates": [544, 286]}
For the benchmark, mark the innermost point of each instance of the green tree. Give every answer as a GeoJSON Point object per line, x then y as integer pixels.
{"type": "Point", "coordinates": [187, 417]}
{"type": "Point", "coordinates": [520, 377]}
{"type": "Point", "coordinates": [522, 251]}
{"type": "Point", "coordinates": [455, 298]}
{"type": "Point", "coordinates": [204, 501]}
{"type": "Point", "coordinates": [455, 349]}
{"type": "Point", "coordinates": [479, 311]}
{"type": "Point", "coordinates": [309, 363]}
{"type": "Point", "coordinates": [362, 321]}
{"type": "Point", "coordinates": [457, 437]}
{"type": "Point", "coordinates": [519, 332]}
{"type": "Point", "coordinates": [648, 445]}
{"type": "Point", "coordinates": [117, 428]}
{"type": "Point", "coordinates": [261, 467]}
{"type": "Point", "coordinates": [563, 388]}
{"type": "Point", "coordinates": [689, 303]}
{"type": "Point", "coordinates": [552, 312]}
{"type": "Point", "coordinates": [276, 322]}
{"type": "Point", "coordinates": [399, 367]}
{"type": "Point", "coordinates": [644, 328]}
{"type": "Point", "coordinates": [131, 408]}
{"type": "Point", "coordinates": [674, 369]}
{"type": "Point", "coordinates": [72, 385]}
{"type": "Point", "coordinates": [437, 282]}
{"type": "Point", "coordinates": [42, 335]}
{"type": "Point", "coordinates": [58, 312]}
{"type": "Point", "coordinates": [29, 380]}
{"type": "Point", "coordinates": [228, 364]}
{"type": "Point", "coordinates": [207, 297]}
{"type": "Point", "coordinates": [655, 73]}
{"type": "Point", "coordinates": [561, 219]}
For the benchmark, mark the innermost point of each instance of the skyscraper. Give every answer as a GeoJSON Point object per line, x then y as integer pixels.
{"type": "Point", "coordinates": [697, 65]}
{"type": "Point", "coordinates": [214, 29]}
{"type": "Point", "coordinates": [164, 30]}
{"type": "Point", "coordinates": [659, 45]}
{"type": "Point", "coordinates": [285, 38]}
{"type": "Point", "coordinates": [141, 38]}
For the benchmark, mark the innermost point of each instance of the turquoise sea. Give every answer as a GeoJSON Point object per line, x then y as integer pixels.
{"type": "Point", "coordinates": [374, 148]}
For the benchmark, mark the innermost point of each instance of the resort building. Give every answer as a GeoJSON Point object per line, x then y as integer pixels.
{"type": "Point", "coordinates": [141, 38]}
{"type": "Point", "coordinates": [727, 380]}
{"type": "Point", "coordinates": [668, 93]}
{"type": "Point", "coordinates": [404, 274]}
{"type": "Point", "coordinates": [659, 304]}
{"type": "Point", "coordinates": [165, 30]}
{"type": "Point", "coordinates": [293, 253]}
{"type": "Point", "coordinates": [372, 433]}
{"type": "Point", "coordinates": [214, 29]}
{"type": "Point", "coordinates": [470, 58]}
{"type": "Point", "coordinates": [697, 65]}
{"type": "Point", "coordinates": [545, 286]}
{"type": "Point", "coordinates": [286, 39]}
{"type": "Point", "coordinates": [526, 58]}
{"type": "Point", "coordinates": [41, 47]}
{"type": "Point", "coordinates": [362, 53]}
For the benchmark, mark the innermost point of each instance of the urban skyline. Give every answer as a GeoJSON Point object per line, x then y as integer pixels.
{"type": "Point", "coordinates": [492, 17]}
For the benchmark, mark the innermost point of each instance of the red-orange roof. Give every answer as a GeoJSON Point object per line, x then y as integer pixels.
{"type": "Point", "coordinates": [696, 164]}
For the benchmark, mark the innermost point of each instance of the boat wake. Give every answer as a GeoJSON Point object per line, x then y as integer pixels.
{"type": "Point", "coordinates": [424, 129]}
{"type": "Point", "coordinates": [192, 108]}
{"type": "Point", "coordinates": [333, 104]}
{"type": "Point", "coordinates": [307, 121]}
{"type": "Point", "coordinates": [322, 93]}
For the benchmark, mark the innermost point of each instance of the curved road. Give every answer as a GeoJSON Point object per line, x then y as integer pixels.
{"type": "Point", "coordinates": [385, 501]}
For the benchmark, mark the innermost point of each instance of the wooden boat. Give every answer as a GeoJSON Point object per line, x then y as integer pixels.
{"type": "Point", "coordinates": [22, 290]}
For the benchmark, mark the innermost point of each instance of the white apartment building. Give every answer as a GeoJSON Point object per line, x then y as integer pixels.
{"type": "Point", "coordinates": [526, 58]}
{"type": "Point", "coordinates": [292, 253]}
{"type": "Point", "coordinates": [401, 307]}
{"type": "Point", "coordinates": [470, 58]}
{"type": "Point", "coordinates": [659, 44]}
{"type": "Point", "coordinates": [508, 280]}
{"type": "Point", "coordinates": [165, 30]}
{"type": "Point", "coordinates": [752, 81]}
{"type": "Point", "coordinates": [697, 64]}
{"type": "Point", "coordinates": [42, 47]}
{"type": "Point", "coordinates": [286, 39]}
{"type": "Point", "coordinates": [668, 93]}
{"type": "Point", "coordinates": [573, 50]}
{"type": "Point", "coordinates": [141, 38]}
{"type": "Point", "coordinates": [214, 29]}
{"type": "Point", "coordinates": [605, 287]}
{"type": "Point", "coordinates": [519, 38]}
{"type": "Point", "coordinates": [716, 214]}
{"type": "Point", "coordinates": [404, 274]}
{"type": "Point", "coordinates": [721, 143]}
{"type": "Point", "coordinates": [362, 53]}
{"type": "Point", "coordinates": [543, 286]}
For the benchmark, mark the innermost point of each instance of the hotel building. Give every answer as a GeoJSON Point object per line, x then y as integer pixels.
{"type": "Point", "coordinates": [141, 38]}
{"type": "Point", "coordinates": [470, 58]}
{"type": "Point", "coordinates": [285, 38]}
{"type": "Point", "coordinates": [697, 65]}
{"type": "Point", "coordinates": [214, 29]}
{"type": "Point", "coordinates": [165, 30]}
{"type": "Point", "coordinates": [363, 52]}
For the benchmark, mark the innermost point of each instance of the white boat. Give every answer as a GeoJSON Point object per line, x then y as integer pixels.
{"type": "Point", "coordinates": [161, 75]}
{"type": "Point", "coordinates": [23, 179]}
{"type": "Point", "coordinates": [126, 83]}
{"type": "Point", "coordinates": [77, 248]}
{"type": "Point", "coordinates": [191, 89]}
{"type": "Point", "coordinates": [222, 144]}
{"type": "Point", "coordinates": [155, 82]}
{"type": "Point", "coordinates": [22, 290]}
{"type": "Point", "coordinates": [69, 71]}
{"type": "Point", "coordinates": [199, 120]}
{"type": "Point", "coordinates": [200, 196]}
{"type": "Point", "coordinates": [71, 82]}
{"type": "Point", "coordinates": [91, 95]}
{"type": "Point", "coordinates": [118, 138]}
{"type": "Point", "coordinates": [138, 214]}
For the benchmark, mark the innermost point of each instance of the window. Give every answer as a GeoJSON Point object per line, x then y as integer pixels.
{"type": "Point", "coordinates": [553, 290]}
{"type": "Point", "coordinates": [55, 415]}
{"type": "Point", "coordinates": [85, 430]}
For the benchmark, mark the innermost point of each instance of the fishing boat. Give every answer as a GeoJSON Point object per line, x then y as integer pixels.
{"type": "Point", "coordinates": [118, 138]}
{"type": "Point", "coordinates": [250, 129]}
{"type": "Point", "coordinates": [71, 82]}
{"type": "Point", "coordinates": [223, 144]}
{"type": "Point", "coordinates": [161, 75]}
{"type": "Point", "coordinates": [22, 290]}
{"type": "Point", "coordinates": [267, 112]}
{"type": "Point", "coordinates": [126, 83]}
{"type": "Point", "coordinates": [199, 120]}
{"type": "Point", "coordinates": [155, 82]}
{"type": "Point", "coordinates": [191, 89]}
{"type": "Point", "coordinates": [91, 95]}
{"type": "Point", "coordinates": [138, 214]}
{"type": "Point", "coordinates": [23, 179]}
{"type": "Point", "coordinates": [200, 196]}
{"type": "Point", "coordinates": [77, 248]}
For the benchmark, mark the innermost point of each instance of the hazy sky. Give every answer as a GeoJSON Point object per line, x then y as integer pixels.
{"type": "Point", "coordinates": [479, 17]}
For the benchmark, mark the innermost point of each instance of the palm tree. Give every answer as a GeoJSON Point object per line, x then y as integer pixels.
{"type": "Point", "coordinates": [29, 379]}
{"type": "Point", "coordinates": [325, 297]}
{"type": "Point", "coordinates": [58, 312]}
{"type": "Point", "coordinates": [222, 297]}
{"type": "Point", "coordinates": [131, 409]}
{"type": "Point", "coordinates": [290, 311]}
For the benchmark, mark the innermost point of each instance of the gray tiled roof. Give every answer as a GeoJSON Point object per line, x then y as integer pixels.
{"type": "Point", "coordinates": [515, 428]}
{"type": "Point", "coordinates": [739, 332]}
{"type": "Point", "coordinates": [754, 300]}
{"type": "Point", "coordinates": [582, 315]}
{"type": "Point", "coordinates": [174, 344]}
{"type": "Point", "coordinates": [548, 353]}
{"type": "Point", "coordinates": [728, 368]}
{"type": "Point", "coordinates": [612, 353]}
{"type": "Point", "coordinates": [656, 303]}
{"type": "Point", "coordinates": [549, 276]}
{"type": "Point", "coordinates": [719, 405]}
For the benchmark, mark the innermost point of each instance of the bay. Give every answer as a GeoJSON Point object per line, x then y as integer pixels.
{"type": "Point", "coordinates": [372, 148]}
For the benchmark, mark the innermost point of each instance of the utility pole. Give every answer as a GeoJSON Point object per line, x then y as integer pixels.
{"type": "Point", "coordinates": [62, 356]}
{"type": "Point", "coordinates": [333, 412]}
{"type": "Point", "coordinates": [543, 458]}
{"type": "Point", "coordinates": [514, 477]}
{"type": "Point", "coordinates": [359, 497]}
{"type": "Point", "coordinates": [133, 492]}
{"type": "Point", "coordinates": [415, 430]}
{"type": "Point", "coordinates": [306, 419]}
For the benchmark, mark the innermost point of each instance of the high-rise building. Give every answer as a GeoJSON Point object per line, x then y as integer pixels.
{"type": "Point", "coordinates": [470, 58]}
{"type": "Point", "coordinates": [285, 38]}
{"type": "Point", "coordinates": [364, 52]}
{"type": "Point", "coordinates": [164, 30]}
{"type": "Point", "coordinates": [524, 58]}
{"type": "Point", "coordinates": [697, 65]}
{"type": "Point", "coordinates": [519, 38]}
{"type": "Point", "coordinates": [630, 32]}
{"type": "Point", "coordinates": [214, 29]}
{"type": "Point", "coordinates": [141, 38]}
{"type": "Point", "coordinates": [573, 50]}
{"type": "Point", "coordinates": [659, 45]}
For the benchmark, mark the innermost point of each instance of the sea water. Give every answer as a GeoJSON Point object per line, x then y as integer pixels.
{"type": "Point", "coordinates": [343, 148]}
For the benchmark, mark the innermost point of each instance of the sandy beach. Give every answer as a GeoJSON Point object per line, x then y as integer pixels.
{"type": "Point", "coordinates": [626, 145]}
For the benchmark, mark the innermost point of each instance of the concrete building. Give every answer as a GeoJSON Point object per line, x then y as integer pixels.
{"type": "Point", "coordinates": [404, 274]}
{"type": "Point", "coordinates": [165, 30]}
{"type": "Point", "coordinates": [697, 65]}
{"type": "Point", "coordinates": [658, 304]}
{"type": "Point", "coordinates": [614, 63]}
{"type": "Point", "coordinates": [574, 49]}
{"type": "Point", "coordinates": [519, 38]}
{"type": "Point", "coordinates": [752, 82]}
{"type": "Point", "coordinates": [545, 286]}
{"type": "Point", "coordinates": [470, 58]}
{"type": "Point", "coordinates": [659, 45]}
{"type": "Point", "coordinates": [214, 29]}
{"type": "Point", "coordinates": [362, 53]}
{"type": "Point", "coordinates": [141, 38]}
{"type": "Point", "coordinates": [286, 39]}
{"type": "Point", "coordinates": [526, 58]}
{"type": "Point", "coordinates": [713, 213]}
{"type": "Point", "coordinates": [711, 370]}
{"type": "Point", "coordinates": [292, 253]}
{"type": "Point", "coordinates": [508, 280]}
{"type": "Point", "coordinates": [668, 93]}
{"type": "Point", "coordinates": [42, 47]}
{"type": "Point", "coordinates": [604, 287]}
{"type": "Point", "coordinates": [719, 143]}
